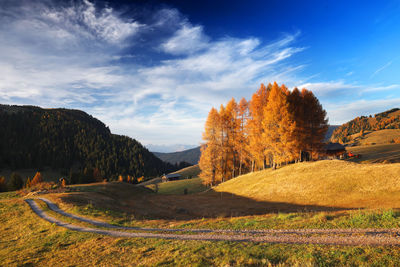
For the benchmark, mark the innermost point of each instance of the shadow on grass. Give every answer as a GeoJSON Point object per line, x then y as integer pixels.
{"type": "Point", "coordinates": [141, 203]}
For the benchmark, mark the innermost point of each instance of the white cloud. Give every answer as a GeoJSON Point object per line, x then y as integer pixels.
{"type": "Point", "coordinates": [323, 88]}
{"type": "Point", "coordinates": [69, 57]}
{"type": "Point", "coordinates": [345, 112]}
{"type": "Point", "coordinates": [107, 24]}
{"type": "Point", "coordinates": [186, 40]}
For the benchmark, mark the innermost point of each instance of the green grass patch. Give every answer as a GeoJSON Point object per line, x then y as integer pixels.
{"type": "Point", "coordinates": [8, 195]}
{"type": "Point", "coordinates": [192, 186]}
{"type": "Point", "coordinates": [28, 240]}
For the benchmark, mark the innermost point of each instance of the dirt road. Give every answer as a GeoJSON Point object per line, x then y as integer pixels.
{"type": "Point", "coordinates": [374, 237]}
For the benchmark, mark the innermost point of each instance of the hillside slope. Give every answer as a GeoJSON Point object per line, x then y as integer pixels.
{"type": "Point", "coordinates": [327, 183]}
{"type": "Point", "coordinates": [33, 137]}
{"type": "Point", "coordinates": [348, 132]}
{"type": "Point", "coordinates": [191, 156]}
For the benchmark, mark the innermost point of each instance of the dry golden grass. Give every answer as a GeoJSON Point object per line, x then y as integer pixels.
{"type": "Point", "coordinates": [388, 153]}
{"type": "Point", "coordinates": [327, 183]}
{"type": "Point", "coordinates": [27, 240]}
{"type": "Point", "coordinates": [380, 137]}
{"type": "Point", "coordinates": [193, 185]}
{"type": "Point", "coordinates": [189, 172]}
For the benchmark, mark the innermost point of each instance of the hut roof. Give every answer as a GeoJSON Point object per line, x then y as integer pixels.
{"type": "Point", "coordinates": [334, 146]}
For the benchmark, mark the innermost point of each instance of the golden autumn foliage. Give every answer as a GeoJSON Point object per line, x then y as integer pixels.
{"type": "Point", "coordinates": [276, 126]}
{"type": "Point", "coordinates": [37, 179]}
{"type": "Point", "coordinates": [28, 182]}
{"type": "Point", "coordinates": [211, 152]}
{"type": "Point", "coordinates": [255, 129]}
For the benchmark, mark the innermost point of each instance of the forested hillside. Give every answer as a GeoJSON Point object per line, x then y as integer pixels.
{"type": "Point", "coordinates": [32, 137]}
{"type": "Point", "coordinates": [386, 120]}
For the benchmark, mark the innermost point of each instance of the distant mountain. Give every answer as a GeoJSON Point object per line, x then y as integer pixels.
{"type": "Point", "coordinates": [329, 133]}
{"type": "Point", "coordinates": [191, 156]}
{"type": "Point", "coordinates": [169, 148]}
{"type": "Point", "coordinates": [357, 127]}
{"type": "Point", "coordinates": [32, 137]}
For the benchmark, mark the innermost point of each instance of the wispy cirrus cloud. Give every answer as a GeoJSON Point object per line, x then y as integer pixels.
{"type": "Point", "coordinates": [83, 56]}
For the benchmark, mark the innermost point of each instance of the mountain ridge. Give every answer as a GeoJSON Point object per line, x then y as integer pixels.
{"type": "Point", "coordinates": [33, 137]}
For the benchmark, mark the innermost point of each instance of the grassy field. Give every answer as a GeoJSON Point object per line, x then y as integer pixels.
{"type": "Point", "coordinates": [189, 172]}
{"type": "Point", "coordinates": [305, 195]}
{"type": "Point", "coordinates": [186, 173]}
{"type": "Point", "coordinates": [376, 137]}
{"type": "Point", "coordinates": [332, 183]}
{"type": "Point", "coordinates": [388, 153]}
{"type": "Point", "coordinates": [27, 240]}
{"type": "Point", "coordinates": [193, 185]}
{"type": "Point", "coordinates": [191, 182]}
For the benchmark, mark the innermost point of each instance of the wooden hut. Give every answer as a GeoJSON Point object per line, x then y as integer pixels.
{"type": "Point", "coordinates": [335, 150]}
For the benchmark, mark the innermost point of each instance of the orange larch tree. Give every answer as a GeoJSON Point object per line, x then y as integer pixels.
{"type": "Point", "coordinates": [231, 124]}
{"type": "Point", "coordinates": [279, 127]}
{"type": "Point", "coordinates": [242, 138]}
{"type": "Point", "coordinates": [316, 123]}
{"type": "Point", "coordinates": [256, 145]}
{"type": "Point", "coordinates": [296, 108]}
{"type": "Point", "coordinates": [210, 159]}
{"type": "Point", "coordinates": [275, 127]}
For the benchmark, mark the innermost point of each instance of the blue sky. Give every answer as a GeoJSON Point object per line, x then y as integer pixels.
{"type": "Point", "coordinates": [152, 70]}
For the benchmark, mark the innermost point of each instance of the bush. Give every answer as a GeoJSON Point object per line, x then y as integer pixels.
{"type": "Point", "coordinates": [16, 182]}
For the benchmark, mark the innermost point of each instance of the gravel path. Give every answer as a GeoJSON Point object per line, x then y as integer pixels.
{"type": "Point", "coordinates": [288, 236]}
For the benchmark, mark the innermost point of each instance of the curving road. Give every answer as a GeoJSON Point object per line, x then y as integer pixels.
{"type": "Point", "coordinates": [374, 237]}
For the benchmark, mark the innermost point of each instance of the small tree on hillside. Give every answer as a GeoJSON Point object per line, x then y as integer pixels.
{"type": "Point", "coordinates": [15, 182]}
{"type": "Point", "coordinates": [28, 182]}
{"type": "Point", "coordinates": [37, 179]}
